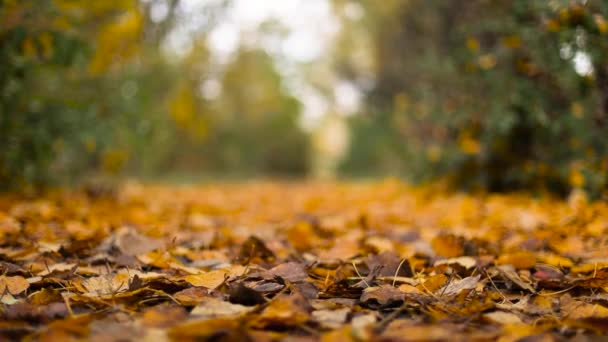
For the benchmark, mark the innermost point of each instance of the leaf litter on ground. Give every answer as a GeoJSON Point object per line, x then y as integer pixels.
{"type": "Point", "coordinates": [326, 262]}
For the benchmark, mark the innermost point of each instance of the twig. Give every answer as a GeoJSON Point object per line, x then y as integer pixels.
{"type": "Point", "coordinates": [595, 270]}
{"type": "Point", "coordinates": [446, 285]}
{"type": "Point", "coordinates": [558, 292]}
{"type": "Point", "coordinates": [66, 300]}
{"type": "Point", "coordinates": [359, 274]}
{"type": "Point", "coordinates": [397, 271]}
{"type": "Point", "coordinates": [497, 289]}
{"type": "Point", "coordinates": [382, 324]}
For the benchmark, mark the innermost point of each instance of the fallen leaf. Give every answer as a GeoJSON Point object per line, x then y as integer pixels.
{"type": "Point", "coordinates": [519, 260]}
{"type": "Point", "coordinates": [214, 308]}
{"type": "Point", "coordinates": [448, 245]}
{"type": "Point", "coordinates": [210, 280]}
{"type": "Point", "coordinates": [130, 242]}
{"type": "Point", "coordinates": [331, 319]}
{"type": "Point", "coordinates": [191, 296]}
{"type": "Point", "coordinates": [163, 316]}
{"type": "Point", "coordinates": [464, 261]}
{"type": "Point", "coordinates": [502, 317]}
{"type": "Point", "coordinates": [382, 297]}
{"type": "Point", "coordinates": [455, 286]}
{"type": "Point", "coordinates": [286, 311]}
{"type": "Point", "coordinates": [13, 285]}
{"type": "Point", "coordinates": [227, 329]}
{"type": "Point", "coordinates": [290, 271]}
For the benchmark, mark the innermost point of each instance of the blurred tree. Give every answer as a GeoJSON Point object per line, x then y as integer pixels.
{"type": "Point", "coordinates": [92, 87]}
{"type": "Point", "coordinates": [501, 95]}
{"type": "Point", "coordinates": [40, 43]}
{"type": "Point", "coordinates": [256, 120]}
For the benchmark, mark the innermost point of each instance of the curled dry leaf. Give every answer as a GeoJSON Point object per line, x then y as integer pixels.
{"type": "Point", "coordinates": [456, 286]}
{"type": "Point", "coordinates": [382, 297]}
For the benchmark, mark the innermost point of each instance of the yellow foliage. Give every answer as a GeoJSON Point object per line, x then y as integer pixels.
{"type": "Point", "coordinates": [576, 178]}
{"type": "Point", "coordinates": [468, 144]}
{"type": "Point", "coordinates": [113, 160]}
{"type": "Point", "coordinates": [117, 41]}
{"type": "Point", "coordinates": [552, 25]}
{"type": "Point", "coordinates": [29, 48]}
{"type": "Point", "coordinates": [473, 44]}
{"type": "Point", "coordinates": [519, 260]}
{"type": "Point", "coordinates": [512, 41]}
{"type": "Point", "coordinates": [86, 8]}
{"type": "Point", "coordinates": [182, 108]}
{"type": "Point", "coordinates": [433, 153]}
{"type": "Point", "coordinates": [601, 23]}
{"type": "Point", "coordinates": [487, 61]}
{"type": "Point", "coordinates": [46, 42]}
{"type": "Point", "coordinates": [577, 110]}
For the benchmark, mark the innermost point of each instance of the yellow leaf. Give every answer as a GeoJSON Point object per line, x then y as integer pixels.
{"type": "Point", "coordinates": [552, 25]}
{"type": "Point", "coordinates": [487, 61]}
{"type": "Point", "coordinates": [519, 260]}
{"type": "Point", "coordinates": [472, 44]}
{"type": "Point", "coordinates": [601, 23]}
{"type": "Point", "coordinates": [14, 285]}
{"type": "Point", "coordinates": [210, 280]}
{"type": "Point", "coordinates": [468, 144]}
{"type": "Point", "coordinates": [576, 178]}
{"type": "Point", "coordinates": [512, 41]}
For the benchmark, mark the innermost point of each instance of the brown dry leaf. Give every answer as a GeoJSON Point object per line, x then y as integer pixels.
{"type": "Point", "coordinates": [331, 319]}
{"type": "Point", "coordinates": [464, 261]}
{"type": "Point", "coordinates": [286, 311]}
{"type": "Point", "coordinates": [344, 250]}
{"type": "Point", "coordinates": [509, 273]}
{"type": "Point", "coordinates": [290, 271]}
{"type": "Point", "coordinates": [455, 286]}
{"type": "Point", "coordinates": [130, 242]}
{"type": "Point", "coordinates": [407, 288]}
{"type": "Point", "coordinates": [571, 308]}
{"type": "Point", "coordinates": [388, 264]}
{"type": "Point", "coordinates": [163, 316]}
{"type": "Point", "coordinates": [406, 330]}
{"type": "Point", "coordinates": [107, 284]}
{"type": "Point", "coordinates": [208, 329]}
{"type": "Point", "coordinates": [214, 308]}
{"type": "Point", "coordinates": [13, 285]}
{"type": "Point", "coordinates": [8, 299]}
{"type": "Point", "coordinates": [252, 248]}
{"type": "Point", "coordinates": [191, 296]}
{"type": "Point", "coordinates": [382, 297]}
{"type": "Point", "coordinates": [502, 317]}
{"type": "Point", "coordinates": [58, 267]}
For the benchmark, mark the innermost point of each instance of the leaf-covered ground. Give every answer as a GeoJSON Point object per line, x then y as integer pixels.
{"type": "Point", "coordinates": [330, 262]}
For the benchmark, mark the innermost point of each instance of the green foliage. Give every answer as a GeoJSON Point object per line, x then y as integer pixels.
{"type": "Point", "coordinates": [34, 123]}
{"type": "Point", "coordinates": [86, 89]}
{"type": "Point", "coordinates": [488, 92]}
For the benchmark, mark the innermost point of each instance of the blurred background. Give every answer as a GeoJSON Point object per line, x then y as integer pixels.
{"type": "Point", "coordinates": [499, 95]}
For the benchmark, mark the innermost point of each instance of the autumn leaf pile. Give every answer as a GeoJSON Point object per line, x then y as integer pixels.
{"type": "Point", "coordinates": [272, 261]}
